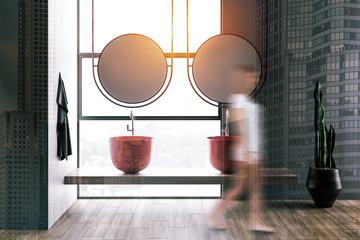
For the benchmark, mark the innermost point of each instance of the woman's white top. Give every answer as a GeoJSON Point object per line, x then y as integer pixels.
{"type": "Point", "coordinates": [250, 129]}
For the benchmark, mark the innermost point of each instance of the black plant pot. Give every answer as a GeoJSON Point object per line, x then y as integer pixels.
{"type": "Point", "coordinates": [324, 185]}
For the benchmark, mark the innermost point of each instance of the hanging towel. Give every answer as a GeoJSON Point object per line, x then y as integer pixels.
{"type": "Point", "coordinates": [62, 128]}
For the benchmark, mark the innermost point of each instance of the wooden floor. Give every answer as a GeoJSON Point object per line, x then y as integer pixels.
{"type": "Point", "coordinates": [186, 219]}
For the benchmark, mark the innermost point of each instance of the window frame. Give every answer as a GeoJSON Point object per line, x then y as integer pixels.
{"type": "Point", "coordinates": [80, 117]}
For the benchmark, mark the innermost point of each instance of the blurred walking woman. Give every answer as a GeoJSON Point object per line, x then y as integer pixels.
{"type": "Point", "coordinates": [244, 117]}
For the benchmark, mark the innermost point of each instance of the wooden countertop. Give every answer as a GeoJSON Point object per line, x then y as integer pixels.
{"type": "Point", "coordinates": [170, 176]}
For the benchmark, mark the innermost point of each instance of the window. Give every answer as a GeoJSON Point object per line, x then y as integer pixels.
{"type": "Point", "coordinates": [179, 121]}
{"type": "Point", "coordinates": [351, 99]}
{"type": "Point", "coordinates": [330, 90]}
{"type": "Point", "coordinates": [351, 88]}
{"type": "Point", "coordinates": [332, 101]}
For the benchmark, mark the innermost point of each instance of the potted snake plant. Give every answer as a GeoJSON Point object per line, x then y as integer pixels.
{"type": "Point", "coordinates": [323, 181]}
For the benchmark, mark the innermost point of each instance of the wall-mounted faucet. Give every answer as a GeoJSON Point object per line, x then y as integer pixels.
{"type": "Point", "coordinates": [132, 118]}
{"type": "Point", "coordinates": [226, 129]}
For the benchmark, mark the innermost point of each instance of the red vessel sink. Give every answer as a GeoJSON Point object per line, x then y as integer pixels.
{"type": "Point", "coordinates": [220, 152]}
{"type": "Point", "coordinates": [130, 154]}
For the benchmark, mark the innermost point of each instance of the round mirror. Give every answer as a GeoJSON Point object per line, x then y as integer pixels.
{"type": "Point", "coordinates": [132, 68]}
{"type": "Point", "coordinates": [215, 60]}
